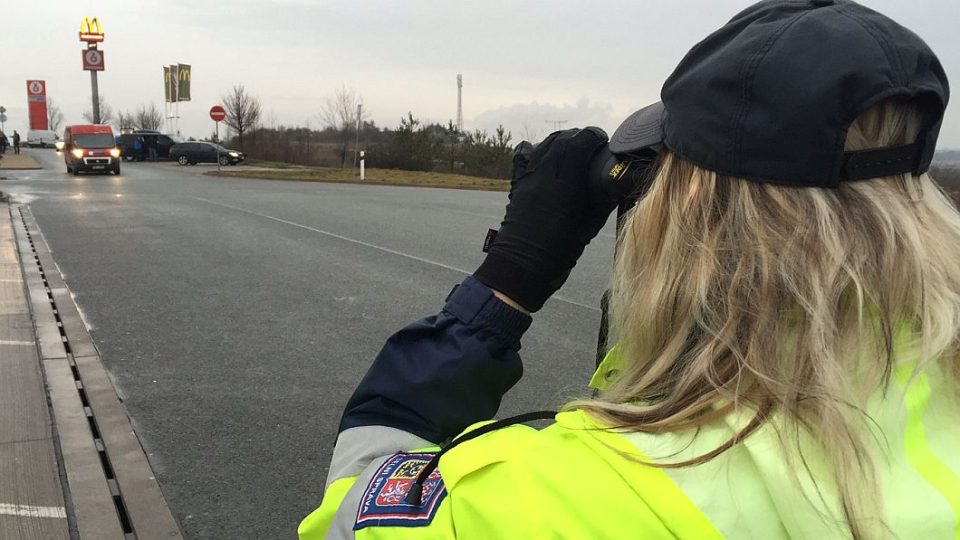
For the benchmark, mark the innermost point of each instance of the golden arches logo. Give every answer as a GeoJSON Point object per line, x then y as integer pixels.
{"type": "Point", "coordinates": [90, 30]}
{"type": "Point", "coordinates": [184, 73]}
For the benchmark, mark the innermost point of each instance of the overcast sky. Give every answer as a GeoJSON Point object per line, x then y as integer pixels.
{"type": "Point", "coordinates": [523, 63]}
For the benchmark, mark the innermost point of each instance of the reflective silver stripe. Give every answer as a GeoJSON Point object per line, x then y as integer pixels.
{"type": "Point", "coordinates": [357, 447]}
{"type": "Point", "coordinates": [342, 526]}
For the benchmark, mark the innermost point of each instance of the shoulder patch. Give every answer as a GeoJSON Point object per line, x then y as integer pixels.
{"type": "Point", "coordinates": [384, 501]}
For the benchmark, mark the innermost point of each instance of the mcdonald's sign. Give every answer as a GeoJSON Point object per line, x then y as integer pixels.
{"type": "Point", "coordinates": [91, 31]}
{"type": "Point", "coordinates": [183, 84]}
{"type": "Point", "coordinates": [167, 94]}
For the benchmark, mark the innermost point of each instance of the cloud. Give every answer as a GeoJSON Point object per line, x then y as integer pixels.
{"type": "Point", "coordinates": [535, 120]}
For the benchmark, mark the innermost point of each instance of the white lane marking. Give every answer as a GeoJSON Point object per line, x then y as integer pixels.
{"type": "Point", "coordinates": [369, 245]}
{"type": "Point", "coordinates": [23, 510]}
{"type": "Point", "coordinates": [11, 281]}
{"type": "Point", "coordinates": [6, 342]}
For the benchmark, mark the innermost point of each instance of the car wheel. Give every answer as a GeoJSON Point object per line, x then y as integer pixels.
{"type": "Point", "coordinates": [183, 160]}
{"type": "Point", "coordinates": [224, 160]}
{"type": "Point", "coordinates": [116, 170]}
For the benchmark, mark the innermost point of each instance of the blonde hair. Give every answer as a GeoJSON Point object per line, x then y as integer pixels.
{"type": "Point", "coordinates": [732, 295]}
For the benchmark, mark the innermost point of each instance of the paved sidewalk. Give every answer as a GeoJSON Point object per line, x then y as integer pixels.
{"type": "Point", "coordinates": [11, 161]}
{"type": "Point", "coordinates": [31, 494]}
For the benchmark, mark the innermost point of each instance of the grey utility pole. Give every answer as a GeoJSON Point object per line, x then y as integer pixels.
{"type": "Point", "coordinates": [356, 147]}
{"type": "Point", "coordinates": [556, 123]}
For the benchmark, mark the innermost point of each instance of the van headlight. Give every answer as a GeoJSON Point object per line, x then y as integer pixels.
{"type": "Point", "coordinates": [77, 153]}
{"type": "Point", "coordinates": [115, 152]}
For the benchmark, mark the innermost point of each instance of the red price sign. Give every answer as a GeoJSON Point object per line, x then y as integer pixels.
{"type": "Point", "coordinates": [92, 60]}
{"type": "Point", "coordinates": [217, 113]}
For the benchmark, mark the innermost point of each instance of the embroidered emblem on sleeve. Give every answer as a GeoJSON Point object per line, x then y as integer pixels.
{"type": "Point", "coordinates": [384, 501]}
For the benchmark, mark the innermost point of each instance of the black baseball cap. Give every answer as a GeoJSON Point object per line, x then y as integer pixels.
{"type": "Point", "coordinates": [769, 96]}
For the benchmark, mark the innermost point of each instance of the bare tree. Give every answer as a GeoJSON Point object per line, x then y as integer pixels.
{"type": "Point", "coordinates": [243, 111]}
{"type": "Point", "coordinates": [106, 112]}
{"type": "Point", "coordinates": [126, 120]}
{"type": "Point", "coordinates": [54, 115]}
{"type": "Point", "coordinates": [149, 117]}
{"type": "Point", "coordinates": [272, 119]}
{"type": "Point", "coordinates": [339, 112]}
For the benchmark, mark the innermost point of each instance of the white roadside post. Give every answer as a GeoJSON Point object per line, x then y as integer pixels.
{"type": "Point", "coordinates": [361, 165]}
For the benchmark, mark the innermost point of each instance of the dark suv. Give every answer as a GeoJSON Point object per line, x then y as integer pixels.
{"type": "Point", "coordinates": [204, 152]}
{"type": "Point", "coordinates": [149, 140]}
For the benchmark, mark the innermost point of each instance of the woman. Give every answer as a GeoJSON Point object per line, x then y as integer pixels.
{"type": "Point", "coordinates": [787, 300]}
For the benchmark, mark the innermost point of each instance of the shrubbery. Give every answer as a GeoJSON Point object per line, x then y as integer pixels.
{"type": "Point", "coordinates": [410, 146]}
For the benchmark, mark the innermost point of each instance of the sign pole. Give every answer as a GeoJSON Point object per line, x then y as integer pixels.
{"type": "Point", "coordinates": [217, 114]}
{"type": "Point", "coordinates": [96, 97]}
{"type": "Point", "coordinates": [91, 33]}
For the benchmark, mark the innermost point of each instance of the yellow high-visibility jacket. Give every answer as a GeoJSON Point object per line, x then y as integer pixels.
{"type": "Point", "coordinates": [576, 479]}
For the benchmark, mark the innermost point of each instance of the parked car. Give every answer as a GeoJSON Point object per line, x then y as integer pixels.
{"type": "Point", "coordinates": [204, 152]}
{"type": "Point", "coordinates": [41, 138]}
{"type": "Point", "coordinates": [90, 148]}
{"type": "Point", "coordinates": [161, 141]}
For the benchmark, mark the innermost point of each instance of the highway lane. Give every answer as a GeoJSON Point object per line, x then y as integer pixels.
{"type": "Point", "coordinates": [236, 316]}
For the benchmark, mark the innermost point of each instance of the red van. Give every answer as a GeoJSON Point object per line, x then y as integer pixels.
{"type": "Point", "coordinates": [90, 148]}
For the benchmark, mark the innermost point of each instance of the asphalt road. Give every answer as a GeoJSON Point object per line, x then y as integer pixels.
{"type": "Point", "coordinates": [236, 316]}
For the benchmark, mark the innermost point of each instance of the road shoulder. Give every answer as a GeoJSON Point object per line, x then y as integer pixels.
{"type": "Point", "coordinates": [108, 486]}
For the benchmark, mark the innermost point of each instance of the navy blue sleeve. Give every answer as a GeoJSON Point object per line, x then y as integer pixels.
{"type": "Point", "coordinates": [440, 374]}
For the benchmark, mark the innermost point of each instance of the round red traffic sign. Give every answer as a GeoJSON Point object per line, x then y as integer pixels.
{"type": "Point", "coordinates": [217, 113]}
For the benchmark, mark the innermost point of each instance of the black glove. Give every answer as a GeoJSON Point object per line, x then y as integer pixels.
{"type": "Point", "coordinates": [552, 215]}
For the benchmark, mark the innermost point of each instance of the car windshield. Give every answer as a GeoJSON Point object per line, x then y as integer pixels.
{"type": "Point", "coordinates": [94, 140]}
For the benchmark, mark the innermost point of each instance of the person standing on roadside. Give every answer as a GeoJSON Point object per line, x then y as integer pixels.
{"type": "Point", "coordinates": [786, 296]}
{"type": "Point", "coordinates": [16, 142]}
{"type": "Point", "coordinates": [138, 148]}
{"type": "Point", "coordinates": [3, 143]}
{"type": "Point", "coordinates": [151, 143]}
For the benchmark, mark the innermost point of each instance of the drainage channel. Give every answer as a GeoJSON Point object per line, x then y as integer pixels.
{"type": "Point", "coordinates": [105, 462]}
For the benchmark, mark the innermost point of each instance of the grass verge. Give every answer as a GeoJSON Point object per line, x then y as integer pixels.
{"type": "Point", "coordinates": [388, 177]}
{"type": "Point", "coordinates": [272, 164]}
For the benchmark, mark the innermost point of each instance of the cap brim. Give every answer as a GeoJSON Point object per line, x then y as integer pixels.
{"type": "Point", "coordinates": [641, 130]}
